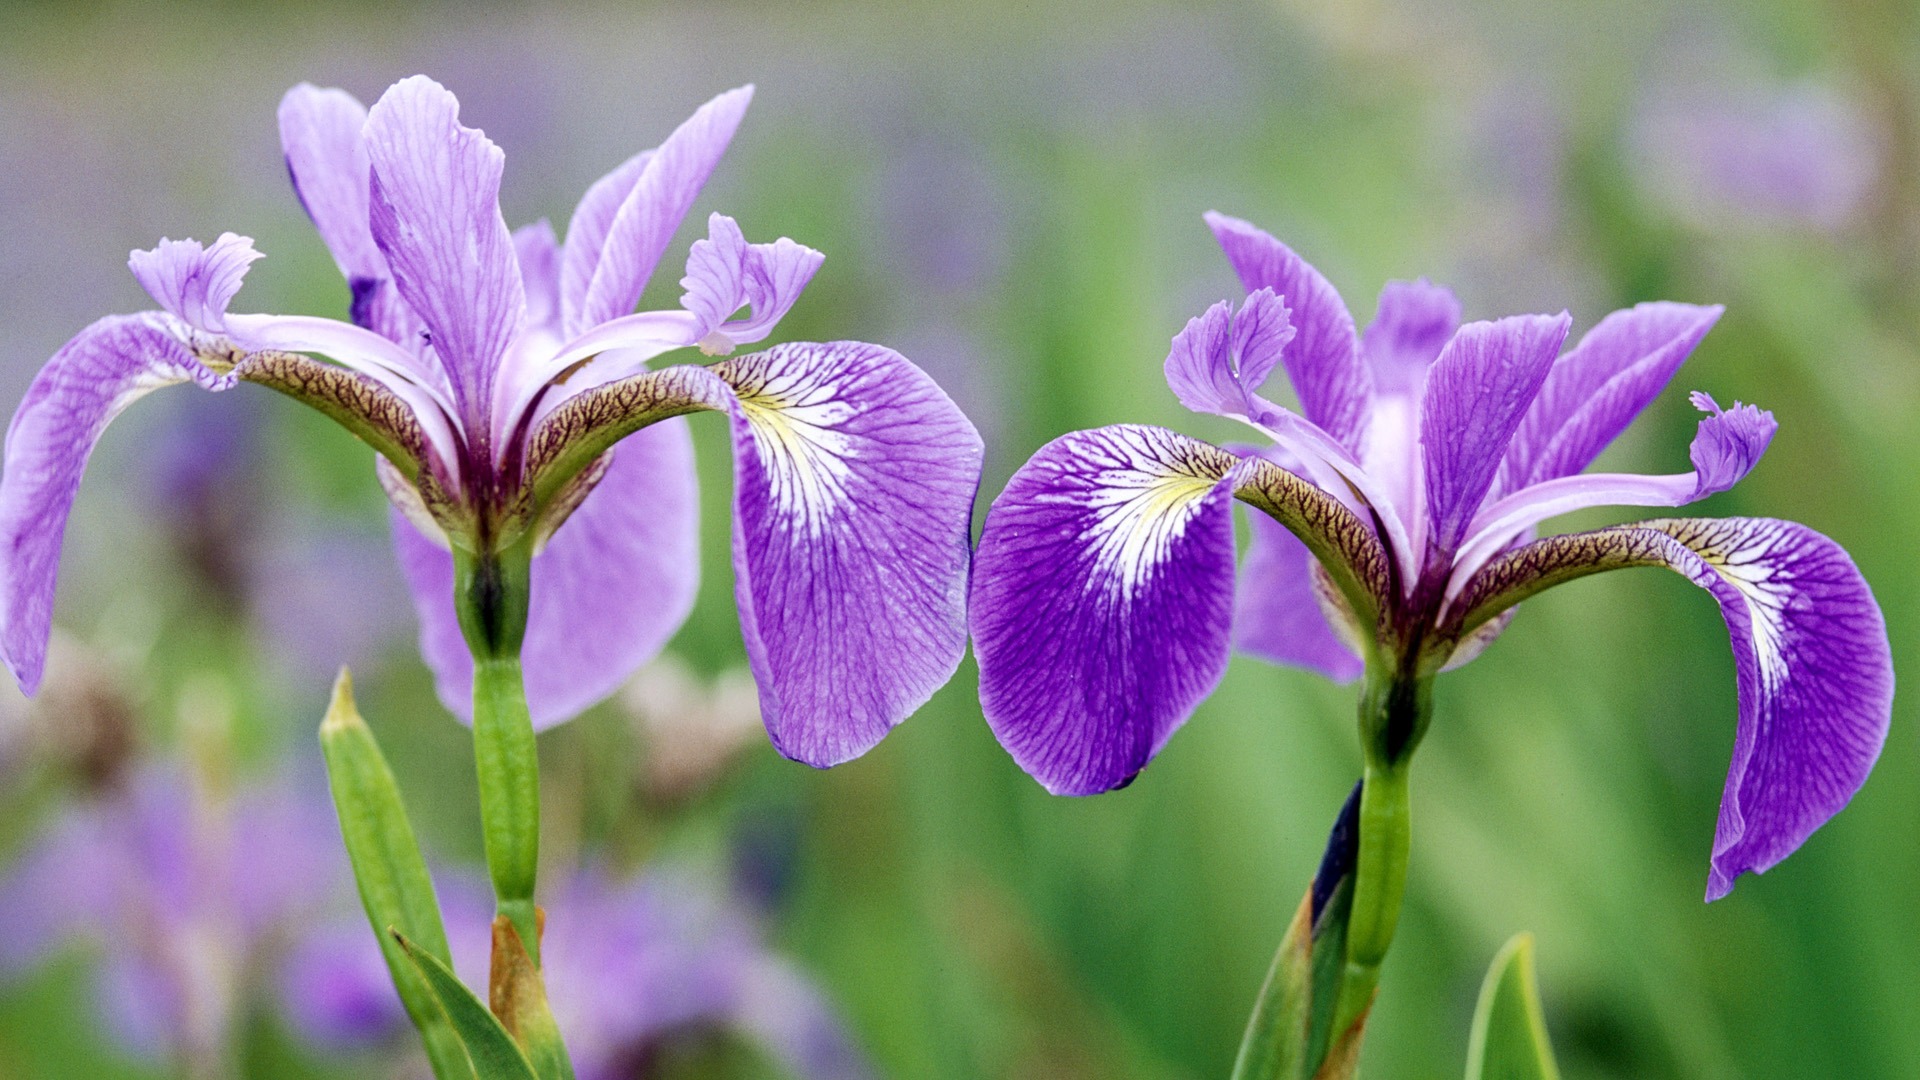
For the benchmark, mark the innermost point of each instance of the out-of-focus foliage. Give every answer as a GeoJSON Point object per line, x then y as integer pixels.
{"type": "Point", "coordinates": [1011, 196]}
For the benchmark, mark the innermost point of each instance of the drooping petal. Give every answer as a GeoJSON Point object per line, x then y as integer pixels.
{"type": "Point", "coordinates": [1414, 322]}
{"type": "Point", "coordinates": [1814, 668]}
{"type": "Point", "coordinates": [323, 135]}
{"type": "Point", "coordinates": [611, 586]}
{"type": "Point", "coordinates": [194, 283]}
{"type": "Point", "coordinates": [1102, 601]}
{"type": "Point", "coordinates": [1276, 614]}
{"type": "Point", "coordinates": [1599, 386]}
{"type": "Point", "coordinates": [88, 382]}
{"type": "Point", "coordinates": [1477, 392]}
{"type": "Point", "coordinates": [854, 480]}
{"type": "Point", "coordinates": [1218, 362]}
{"type": "Point", "coordinates": [1728, 444]}
{"type": "Point", "coordinates": [1323, 360]}
{"type": "Point", "coordinates": [435, 212]}
{"type": "Point", "coordinates": [653, 209]}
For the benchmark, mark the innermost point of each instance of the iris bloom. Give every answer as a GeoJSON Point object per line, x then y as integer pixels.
{"type": "Point", "coordinates": [495, 371]}
{"type": "Point", "coordinates": [1400, 503]}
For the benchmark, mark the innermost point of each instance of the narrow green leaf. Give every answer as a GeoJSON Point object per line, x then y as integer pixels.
{"type": "Point", "coordinates": [494, 1053]}
{"type": "Point", "coordinates": [395, 887]}
{"type": "Point", "coordinates": [1509, 1039]}
{"type": "Point", "coordinates": [1275, 1046]}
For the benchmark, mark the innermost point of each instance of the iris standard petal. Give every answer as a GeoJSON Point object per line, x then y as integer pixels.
{"type": "Point", "coordinates": [107, 367]}
{"type": "Point", "coordinates": [611, 586]}
{"type": "Point", "coordinates": [587, 236]}
{"type": "Point", "coordinates": [1218, 362]}
{"type": "Point", "coordinates": [1814, 668]}
{"type": "Point", "coordinates": [1477, 392]}
{"type": "Point", "coordinates": [1599, 387]}
{"type": "Point", "coordinates": [435, 212]}
{"type": "Point", "coordinates": [1414, 322]}
{"type": "Point", "coordinates": [538, 252]}
{"type": "Point", "coordinates": [1102, 601]}
{"type": "Point", "coordinates": [854, 481]}
{"type": "Point", "coordinates": [655, 206]}
{"type": "Point", "coordinates": [1276, 614]}
{"type": "Point", "coordinates": [1323, 361]}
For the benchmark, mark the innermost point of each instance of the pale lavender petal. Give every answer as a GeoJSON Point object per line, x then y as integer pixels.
{"type": "Point", "coordinates": [1477, 392]}
{"type": "Point", "coordinates": [716, 268]}
{"type": "Point", "coordinates": [855, 476]}
{"type": "Point", "coordinates": [1414, 322]}
{"type": "Point", "coordinates": [193, 283]}
{"type": "Point", "coordinates": [538, 252]}
{"type": "Point", "coordinates": [610, 587]}
{"type": "Point", "coordinates": [436, 216]}
{"type": "Point", "coordinates": [1599, 386]}
{"type": "Point", "coordinates": [1102, 601]}
{"type": "Point", "coordinates": [1323, 361]}
{"type": "Point", "coordinates": [1810, 649]}
{"type": "Point", "coordinates": [795, 1024]}
{"type": "Point", "coordinates": [336, 990]}
{"type": "Point", "coordinates": [654, 208]}
{"type": "Point", "coordinates": [725, 273]}
{"type": "Point", "coordinates": [100, 372]}
{"type": "Point", "coordinates": [587, 237]}
{"type": "Point", "coordinates": [1276, 615]}
{"type": "Point", "coordinates": [1218, 362]}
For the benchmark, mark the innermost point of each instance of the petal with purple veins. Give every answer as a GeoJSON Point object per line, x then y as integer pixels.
{"type": "Point", "coordinates": [1323, 360]}
{"type": "Point", "coordinates": [88, 382]}
{"type": "Point", "coordinates": [612, 585]}
{"type": "Point", "coordinates": [587, 236]}
{"type": "Point", "coordinates": [1102, 601]}
{"type": "Point", "coordinates": [436, 215]}
{"type": "Point", "coordinates": [725, 273]}
{"type": "Point", "coordinates": [194, 283]}
{"type": "Point", "coordinates": [1477, 393]}
{"type": "Point", "coordinates": [1219, 361]}
{"type": "Point", "coordinates": [1814, 668]}
{"type": "Point", "coordinates": [1414, 322]}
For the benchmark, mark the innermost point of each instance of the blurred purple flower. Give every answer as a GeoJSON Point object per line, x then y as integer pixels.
{"type": "Point", "coordinates": [1800, 154]}
{"type": "Point", "coordinates": [632, 967]}
{"type": "Point", "coordinates": [181, 891]}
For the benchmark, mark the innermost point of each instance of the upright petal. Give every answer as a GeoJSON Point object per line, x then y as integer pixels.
{"type": "Point", "coordinates": [1810, 649]}
{"type": "Point", "coordinates": [1102, 601]}
{"type": "Point", "coordinates": [653, 209]}
{"type": "Point", "coordinates": [1277, 615]}
{"type": "Point", "coordinates": [1414, 322]}
{"type": "Point", "coordinates": [854, 480]}
{"type": "Point", "coordinates": [611, 586]}
{"type": "Point", "coordinates": [1477, 392]}
{"type": "Point", "coordinates": [538, 253]}
{"type": "Point", "coordinates": [87, 383]}
{"type": "Point", "coordinates": [193, 283]}
{"type": "Point", "coordinates": [587, 237]}
{"type": "Point", "coordinates": [436, 216]}
{"type": "Point", "coordinates": [1599, 386]}
{"type": "Point", "coordinates": [1323, 360]}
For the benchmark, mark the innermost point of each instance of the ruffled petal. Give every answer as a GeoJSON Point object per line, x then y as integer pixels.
{"type": "Point", "coordinates": [1102, 601]}
{"type": "Point", "coordinates": [1810, 649]}
{"type": "Point", "coordinates": [1477, 392]}
{"type": "Point", "coordinates": [88, 382]}
{"type": "Point", "coordinates": [193, 283]}
{"type": "Point", "coordinates": [611, 586]}
{"type": "Point", "coordinates": [854, 481]}
{"type": "Point", "coordinates": [436, 215]}
{"type": "Point", "coordinates": [1219, 361]}
{"type": "Point", "coordinates": [1599, 386]}
{"type": "Point", "coordinates": [1323, 360]}
{"type": "Point", "coordinates": [725, 273]}
{"type": "Point", "coordinates": [653, 209]}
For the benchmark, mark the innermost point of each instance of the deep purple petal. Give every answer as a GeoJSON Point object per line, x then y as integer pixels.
{"type": "Point", "coordinates": [1728, 444]}
{"type": "Point", "coordinates": [612, 585]}
{"type": "Point", "coordinates": [100, 372]}
{"type": "Point", "coordinates": [1276, 615]}
{"type": "Point", "coordinates": [194, 283]}
{"type": "Point", "coordinates": [538, 252]}
{"type": "Point", "coordinates": [1810, 652]}
{"type": "Point", "coordinates": [436, 216]}
{"type": "Point", "coordinates": [1414, 322]}
{"type": "Point", "coordinates": [1599, 386]}
{"type": "Point", "coordinates": [1477, 392]}
{"type": "Point", "coordinates": [653, 209]}
{"type": "Point", "coordinates": [1218, 362]}
{"type": "Point", "coordinates": [855, 476]}
{"type": "Point", "coordinates": [1323, 361]}
{"type": "Point", "coordinates": [1102, 600]}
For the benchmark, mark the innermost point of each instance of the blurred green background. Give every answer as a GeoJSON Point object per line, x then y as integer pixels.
{"type": "Point", "coordinates": [1011, 195]}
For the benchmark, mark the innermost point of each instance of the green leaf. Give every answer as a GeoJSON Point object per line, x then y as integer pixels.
{"type": "Point", "coordinates": [395, 887]}
{"type": "Point", "coordinates": [1509, 1039]}
{"type": "Point", "coordinates": [518, 996]}
{"type": "Point", "coordinates": [1275, 1047]}
{"type": "Point", "coordinates": [494, 1054]}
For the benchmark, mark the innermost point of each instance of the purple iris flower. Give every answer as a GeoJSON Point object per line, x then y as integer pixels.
{"type": "Point", "coordinates": [1400, 505]}
{"type": "Point", "coordinates": [636, 965]}
{"type": "Point", "coordinates": [494, 371]}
